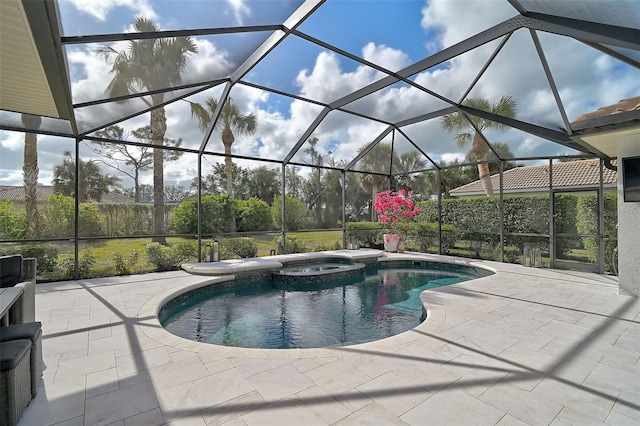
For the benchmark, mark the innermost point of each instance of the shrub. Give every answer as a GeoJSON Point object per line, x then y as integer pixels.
{"type": "Point", "coordinates": [60, 222]}
{"type": "Point", "coordinates": [217, 213]}
{"type": "Point", "coordinates": [369, 234]}
{"type": "Point", "coordinates": [253, 215]}
{"type": "Point", "coordinates": [123, 266]}
{"type": "Point", "coordinates": [426, 235]}
{"type": "Point", "coordinates": [243, 247]}
{"type": "Point", "coordinates": [12, 225]}
{"type": "Point", "coordinates": [292, 245]}
{"type": "Point", "coordinates": [166, 258]}
{"type": "Point", "coordinates": [85, 262]}
{"type": "Point", "coordinates": [296, 213]}
{"type": "Point", "coordinates": [46, 254]}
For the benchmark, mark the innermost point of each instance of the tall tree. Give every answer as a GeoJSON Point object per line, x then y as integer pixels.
{"type": "Point", "coordinates": [407, 163]}
{"type": "Point", "coordinates": [264, 184]}
{"type": "Point", "coordinates": [503, 151]}
{"type": "Point", "coordinates": [452, 176]}
{"type": "Point", "coordinates": [148, 65]}
{"type": "Point", "coordinates": [30, 174]}
{"type": "Point", "coordinates": [93, 184]}
{"type": "Point", "coordinates": [314, 189]}
{"type": "Point", "coordinates": [457, 122]}
{"type": "Point", "coordinates": [132, 159]}
{"type": "Point", "coordinates": [294, 183]}
{"type": "Point", "coordinates": [215, 183]}
{"type": "Point", "coordinates": [231, 121]}
{"type": "Point", "coordinates": [332, 184]}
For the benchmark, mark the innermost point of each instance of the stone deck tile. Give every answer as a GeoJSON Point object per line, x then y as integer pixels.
{"type": "Point", "coordinates": [525, 346]}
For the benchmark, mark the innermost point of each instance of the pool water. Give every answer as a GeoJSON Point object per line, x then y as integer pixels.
{"type": "Point", "coordinates": [258, 315]}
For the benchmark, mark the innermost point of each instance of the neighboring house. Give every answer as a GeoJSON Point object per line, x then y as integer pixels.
{"type": "Point", "coordinates": [530, 180]}
{"type": "Point", "coordinates": [16, 194]}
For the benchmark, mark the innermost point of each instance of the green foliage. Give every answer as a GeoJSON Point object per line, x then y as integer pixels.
{"type": "Point", "coordinates": [253, 215]}
{"type": "Point", "coordinates": [426, 234]}
{"type": "Point", "coordinates": [46, 254]}
{"type": "Point", "coordinates": [93, 184]}
{"type": "Point", "coordinates": [566, 213]}
{"type": "Point", "coordinates": [243, 247]}
{"type": "Point", "coordinates": [574, 214]}
{"type": "Point", "coordinates": [587, 223]}
{"type": "Point", "coordinates": [324, 247]}
{"type": "Point", "coordinates": [217, 212]}
{"type": "Point", "coordinates": [368, 234]}
{"type": "Point", "coordinates": [60, 213]}
{"type": "Point", "coordinates": [12, 225]}
{"type": "Point", "coordinates": [296, 213]}
{"type": "Point", "coordinates": [463, 218]}
{"type": "Point", "coordinates": [293, 245]}
{"type": "Point", "coordinates": [124, 265]}
{"type": "Point", "coordinates": [86, 261]}
{"type": "Point", "coordinates": [128, 219]}
{"type": "Point", "coordinates": [169, 258]}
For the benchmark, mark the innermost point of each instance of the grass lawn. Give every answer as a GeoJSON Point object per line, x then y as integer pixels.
{"type": "Point", "coordinates": [103, 250]}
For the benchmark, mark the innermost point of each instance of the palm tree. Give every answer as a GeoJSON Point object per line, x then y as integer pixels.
{"type": "Point", "coordinates": [93, 184]}
{"type": "Point", "coordinates": [30, 174]}
{"type": "Point", "coordinates": [458, 122]}
{"type": "Point", "coordinates": [408, 163]}
{"type": "Point", "coordinates": [378, 159]}
{"type": "Point", "coordinates": [503, 151]}
{"type": "Point", "coordinates": [451, 176]}
{"type": "Point", "coordinates": [231, 121]}
{"type": "Point", "coordinates": [151, 64]}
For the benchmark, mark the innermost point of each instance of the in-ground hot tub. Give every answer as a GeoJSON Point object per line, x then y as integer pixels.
{"type": "Point", "coordinates": [315, 276]}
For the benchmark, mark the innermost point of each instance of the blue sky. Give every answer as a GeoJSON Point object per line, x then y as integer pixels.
{"type": "Point", "coordinates": [391, 33]}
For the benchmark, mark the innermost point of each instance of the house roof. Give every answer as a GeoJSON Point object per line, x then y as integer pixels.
{"type": "Point", "coordinates": [565, 175]}
{"type": "Point", "coordinates": [624, 105]}
{"type": "Point", "coordinates": [16, 194]}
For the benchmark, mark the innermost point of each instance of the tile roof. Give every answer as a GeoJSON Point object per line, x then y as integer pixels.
{"type": "Point", "coordinates": [16, 194]}
{"type": "Point", "coordinates": [630, 104]}
{"type": "Point", "coordinates": [568, 175]}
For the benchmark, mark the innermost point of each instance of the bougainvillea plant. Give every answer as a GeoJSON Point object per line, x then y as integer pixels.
{"type": "Point", "coordinates": [395, 208]}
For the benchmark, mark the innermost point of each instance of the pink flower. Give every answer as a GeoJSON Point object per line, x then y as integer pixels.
{"type": "Point", "coordinates": [395, 207]}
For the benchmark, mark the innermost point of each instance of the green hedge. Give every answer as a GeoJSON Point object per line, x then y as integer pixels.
{"type": "Point", "coordinates": [587, 223]}
{"type": "Point", "coordinates": [368, 234]}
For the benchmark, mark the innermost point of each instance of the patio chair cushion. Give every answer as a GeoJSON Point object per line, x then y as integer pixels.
{"type": "Point", "coordinates": [10, 270]}
{"type": "Point", "coordinates": [33, 332]}
{"type": "Point", "coordinates": [12, 353]}
{"type": "Point", "coordinates": [15, 380]}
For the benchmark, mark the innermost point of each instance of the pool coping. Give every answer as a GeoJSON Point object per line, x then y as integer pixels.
{"type": "Point", "coordinates": [150, 324]}
{"type": "Point", "coordinates": [232, 266]}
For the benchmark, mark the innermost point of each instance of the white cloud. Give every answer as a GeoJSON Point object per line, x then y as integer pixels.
{"type": "Point", "coordinates": [327, 82]}
{"type": "Point", "coordinates": [99, 9]}
{"type": "Point", "coordinates": [585, 77]}
{"type": "Point", "coordinates": [458, 20]}
{"type": "Point", "coordinates": [386, 57]}
{"type": "Point", "coordinates": [240, 10]}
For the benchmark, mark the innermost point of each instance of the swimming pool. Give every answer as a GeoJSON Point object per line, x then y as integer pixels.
{"type": "Point", "coordinates": [383, 302]}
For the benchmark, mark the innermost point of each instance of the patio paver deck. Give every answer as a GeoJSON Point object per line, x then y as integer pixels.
{"type": "Point", "coordinates": [524, 346]}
